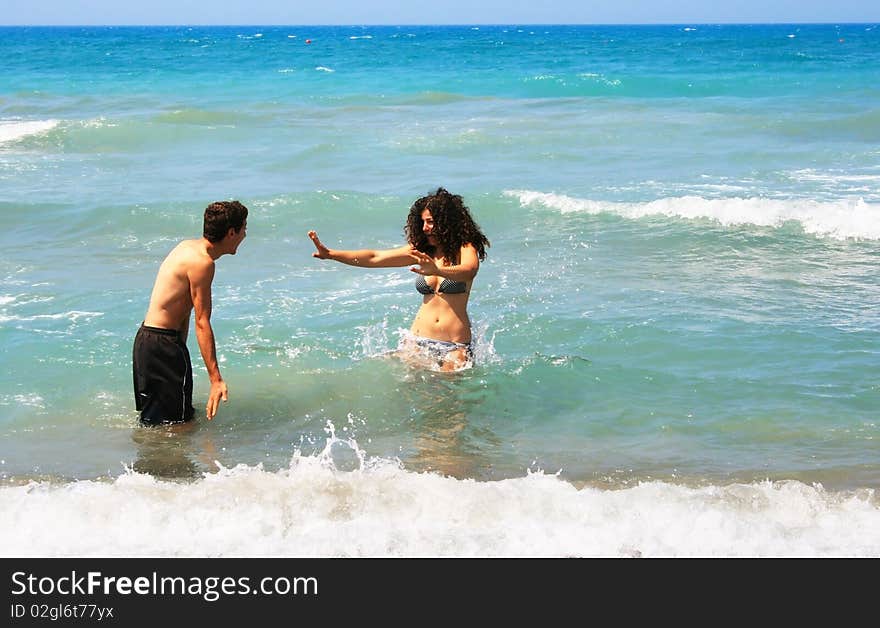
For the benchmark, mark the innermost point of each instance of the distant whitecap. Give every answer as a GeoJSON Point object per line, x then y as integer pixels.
{"type": "Point", "coordinates": [11, 130]}
{"type": "Point", "coordinates": [839, 220]}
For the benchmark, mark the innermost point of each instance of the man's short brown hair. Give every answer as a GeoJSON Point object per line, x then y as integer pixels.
{"type": "Point", "coordinates": [221, 216]}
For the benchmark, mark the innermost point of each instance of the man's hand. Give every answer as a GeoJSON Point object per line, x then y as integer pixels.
{"type": "Point", "coordinates": [218, 392]}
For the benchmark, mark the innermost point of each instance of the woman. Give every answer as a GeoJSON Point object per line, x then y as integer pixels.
{"type": "Point", "coordinates": [447, 245]}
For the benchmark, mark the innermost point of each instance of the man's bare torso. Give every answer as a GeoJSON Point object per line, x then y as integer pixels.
{"type": "Point", "coordinates": [171, 302]}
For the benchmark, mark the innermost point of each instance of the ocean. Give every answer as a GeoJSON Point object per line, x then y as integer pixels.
{"type": "Point", "coordinates": [677, 330]}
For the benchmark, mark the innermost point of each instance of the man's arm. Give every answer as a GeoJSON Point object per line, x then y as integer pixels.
{"type": "Point", "coordinates": [200, 278]}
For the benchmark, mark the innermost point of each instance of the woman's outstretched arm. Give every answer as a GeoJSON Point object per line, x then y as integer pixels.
{"type": "Point", "coordinates": [366, 258]}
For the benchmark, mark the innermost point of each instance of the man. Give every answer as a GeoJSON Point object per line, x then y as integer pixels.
{"type": "Point", "coordinates": [160, 360]}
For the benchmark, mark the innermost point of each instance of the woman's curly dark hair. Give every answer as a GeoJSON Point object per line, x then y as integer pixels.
{"type": "Point", "coordinates": [453, 226]}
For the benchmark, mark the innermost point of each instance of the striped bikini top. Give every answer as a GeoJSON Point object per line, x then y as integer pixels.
{"type": "Point", "coordinates": [447, 286]}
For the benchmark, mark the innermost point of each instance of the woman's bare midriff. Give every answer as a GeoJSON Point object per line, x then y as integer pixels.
{"type": "Point", "coordinates": [443, 317]}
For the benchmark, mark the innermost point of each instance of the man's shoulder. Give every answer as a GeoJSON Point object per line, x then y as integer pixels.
{"type": "Point", "coordinates": [190, 256]}
{"type": "Point", "coordinates": [195, 252]}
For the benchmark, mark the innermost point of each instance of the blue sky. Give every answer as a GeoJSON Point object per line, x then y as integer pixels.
{"type": "Point", "coordinates": [266, 12]}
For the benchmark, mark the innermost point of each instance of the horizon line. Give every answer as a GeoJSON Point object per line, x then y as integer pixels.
{"type": "Point", "coordinates": [469, 24]}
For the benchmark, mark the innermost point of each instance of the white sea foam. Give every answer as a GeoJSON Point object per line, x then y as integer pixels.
{"type": "Point", "coordinates": [599, 78]}
{"type": "Point", "coordinates": [809, 174]}
{"type": "Point", "coordinates": [12, 130]}
{"type": "Point", "coordinates": [376, 508]}
{"type": "Point", "coordinates": [27, 399]}
{"type": "Point", "coordinates": [842, 219]}
{"type": "Point", "coordinates": [321, 68]}
{"type": "Point", "coordinates": [314, 509]}
{"type": "Point", "coordinates": [97, 123]}
{"type": "Point", "coordinates": [73, 316]}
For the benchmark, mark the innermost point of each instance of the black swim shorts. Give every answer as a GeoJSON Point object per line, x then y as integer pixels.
{"type": "Point", "coordinates": [163, 381]}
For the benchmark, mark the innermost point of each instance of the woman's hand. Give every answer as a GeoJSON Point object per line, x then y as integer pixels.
{"type": "Point", "coordinates": [427, 265]}
{"type": "Point", "coordinates": [323, 252]}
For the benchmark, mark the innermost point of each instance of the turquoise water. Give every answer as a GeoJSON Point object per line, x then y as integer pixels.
{"type": "Point", "coordinates": [678, 312]}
